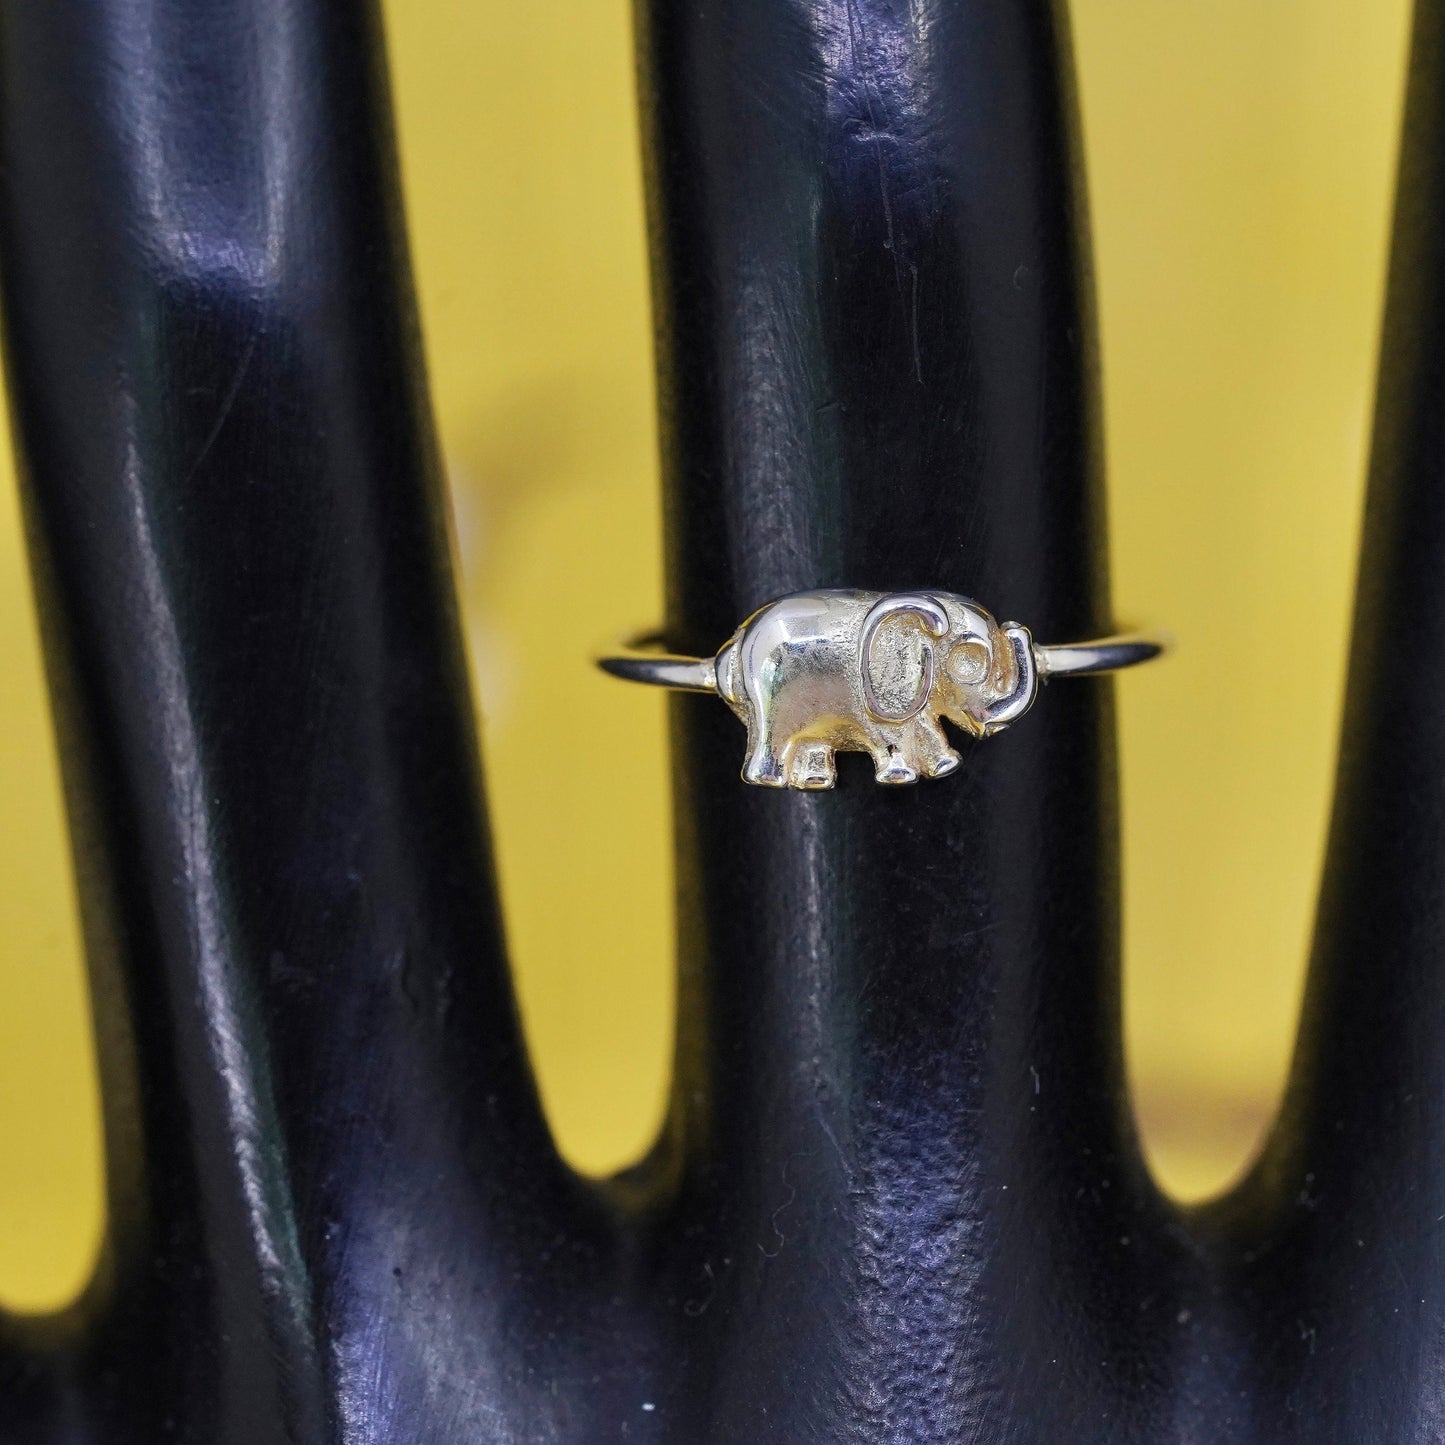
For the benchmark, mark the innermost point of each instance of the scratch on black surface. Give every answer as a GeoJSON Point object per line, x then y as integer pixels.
{"type": "Point", "coordinates": [861, 66]}
{"type": "Point", "coordinates": [786, 1204]}
{"type": "Point", "coordinates": [917, 354]}
{"type": "Point", "coordinates": [832, 1138]}
{"type": "Point", "coordinates": [227, 402]}
{"type": "Point", "coordinates": [694, 1308]}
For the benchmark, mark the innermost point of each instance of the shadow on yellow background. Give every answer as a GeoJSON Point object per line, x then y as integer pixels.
{"type": "Point", "coordinates": [1240, 159]}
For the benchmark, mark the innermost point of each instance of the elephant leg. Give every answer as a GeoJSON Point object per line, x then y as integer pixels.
{"type": "Point", "coordinates": [894, 756]}
{"type": "Point", "coordinates": [812, 766]}
{"type": "Point", "coordinates": [935, 754]}
{"type": "Point", "coordinates": [764, 766]}
{"type": "Point", "coordinates": [766, 758]}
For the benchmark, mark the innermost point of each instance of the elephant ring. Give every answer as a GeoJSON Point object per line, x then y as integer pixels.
{"type": "Point", "coordinates": [817, 673]}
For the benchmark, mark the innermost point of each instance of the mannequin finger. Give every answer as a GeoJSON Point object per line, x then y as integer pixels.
{"type": "Point", "coordinates": [899, 1109]}
{"type": "Point", "coordinates": [1337, 1241]}
{"type": "Point", "coordinates": [328, 1171]}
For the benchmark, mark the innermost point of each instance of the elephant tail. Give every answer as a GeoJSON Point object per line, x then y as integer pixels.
{"type": "Point", "coordinates": [727, 675]}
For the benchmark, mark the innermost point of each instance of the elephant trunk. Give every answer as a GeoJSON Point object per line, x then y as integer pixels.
{"type": "Point", "coordinates": [1026, 681]}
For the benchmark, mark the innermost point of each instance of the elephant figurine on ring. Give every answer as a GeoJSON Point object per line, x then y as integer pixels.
{"type": "Point", "coordinates": [870, 672]}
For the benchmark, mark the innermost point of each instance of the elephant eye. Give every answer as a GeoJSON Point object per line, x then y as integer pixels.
{"type": "Point", "coordinates": [968, 662]}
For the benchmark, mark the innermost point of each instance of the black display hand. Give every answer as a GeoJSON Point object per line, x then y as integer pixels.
{"type": "Point", "coordinates": [898, 1197]}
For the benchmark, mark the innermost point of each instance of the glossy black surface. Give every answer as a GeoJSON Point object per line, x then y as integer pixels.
{"type": "Point", "coordinates": [898, 1197]}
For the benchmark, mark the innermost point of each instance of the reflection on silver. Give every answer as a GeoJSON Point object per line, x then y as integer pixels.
{"type": "Point", "coordinates": [873, 672]}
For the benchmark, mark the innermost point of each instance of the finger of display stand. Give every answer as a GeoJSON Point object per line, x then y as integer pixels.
{"type": "Point", "coordinates": [1336, 1244]}
{"type": "Point", "coordinates": [899, 1114]}
{"type": "Point", "coordinates": [329, 1184]}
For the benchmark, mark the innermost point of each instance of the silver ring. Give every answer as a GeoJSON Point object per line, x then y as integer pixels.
{"type": "Point", "coordinates": [819, 673]}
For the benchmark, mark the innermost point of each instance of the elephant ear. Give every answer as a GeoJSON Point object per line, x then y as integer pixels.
{"type": "Point", "coordinates": [896, 654]}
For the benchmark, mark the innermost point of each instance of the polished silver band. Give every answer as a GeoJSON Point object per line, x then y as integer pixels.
{"type": "Point", "coordinates": [644, 660]}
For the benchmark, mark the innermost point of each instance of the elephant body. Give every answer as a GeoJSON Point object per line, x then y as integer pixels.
{"type": "Point", "coordinates": [819, 672]}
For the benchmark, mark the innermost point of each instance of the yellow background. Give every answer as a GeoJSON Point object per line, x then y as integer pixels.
{"type": "Point", "coordinates": [1240, 156]}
